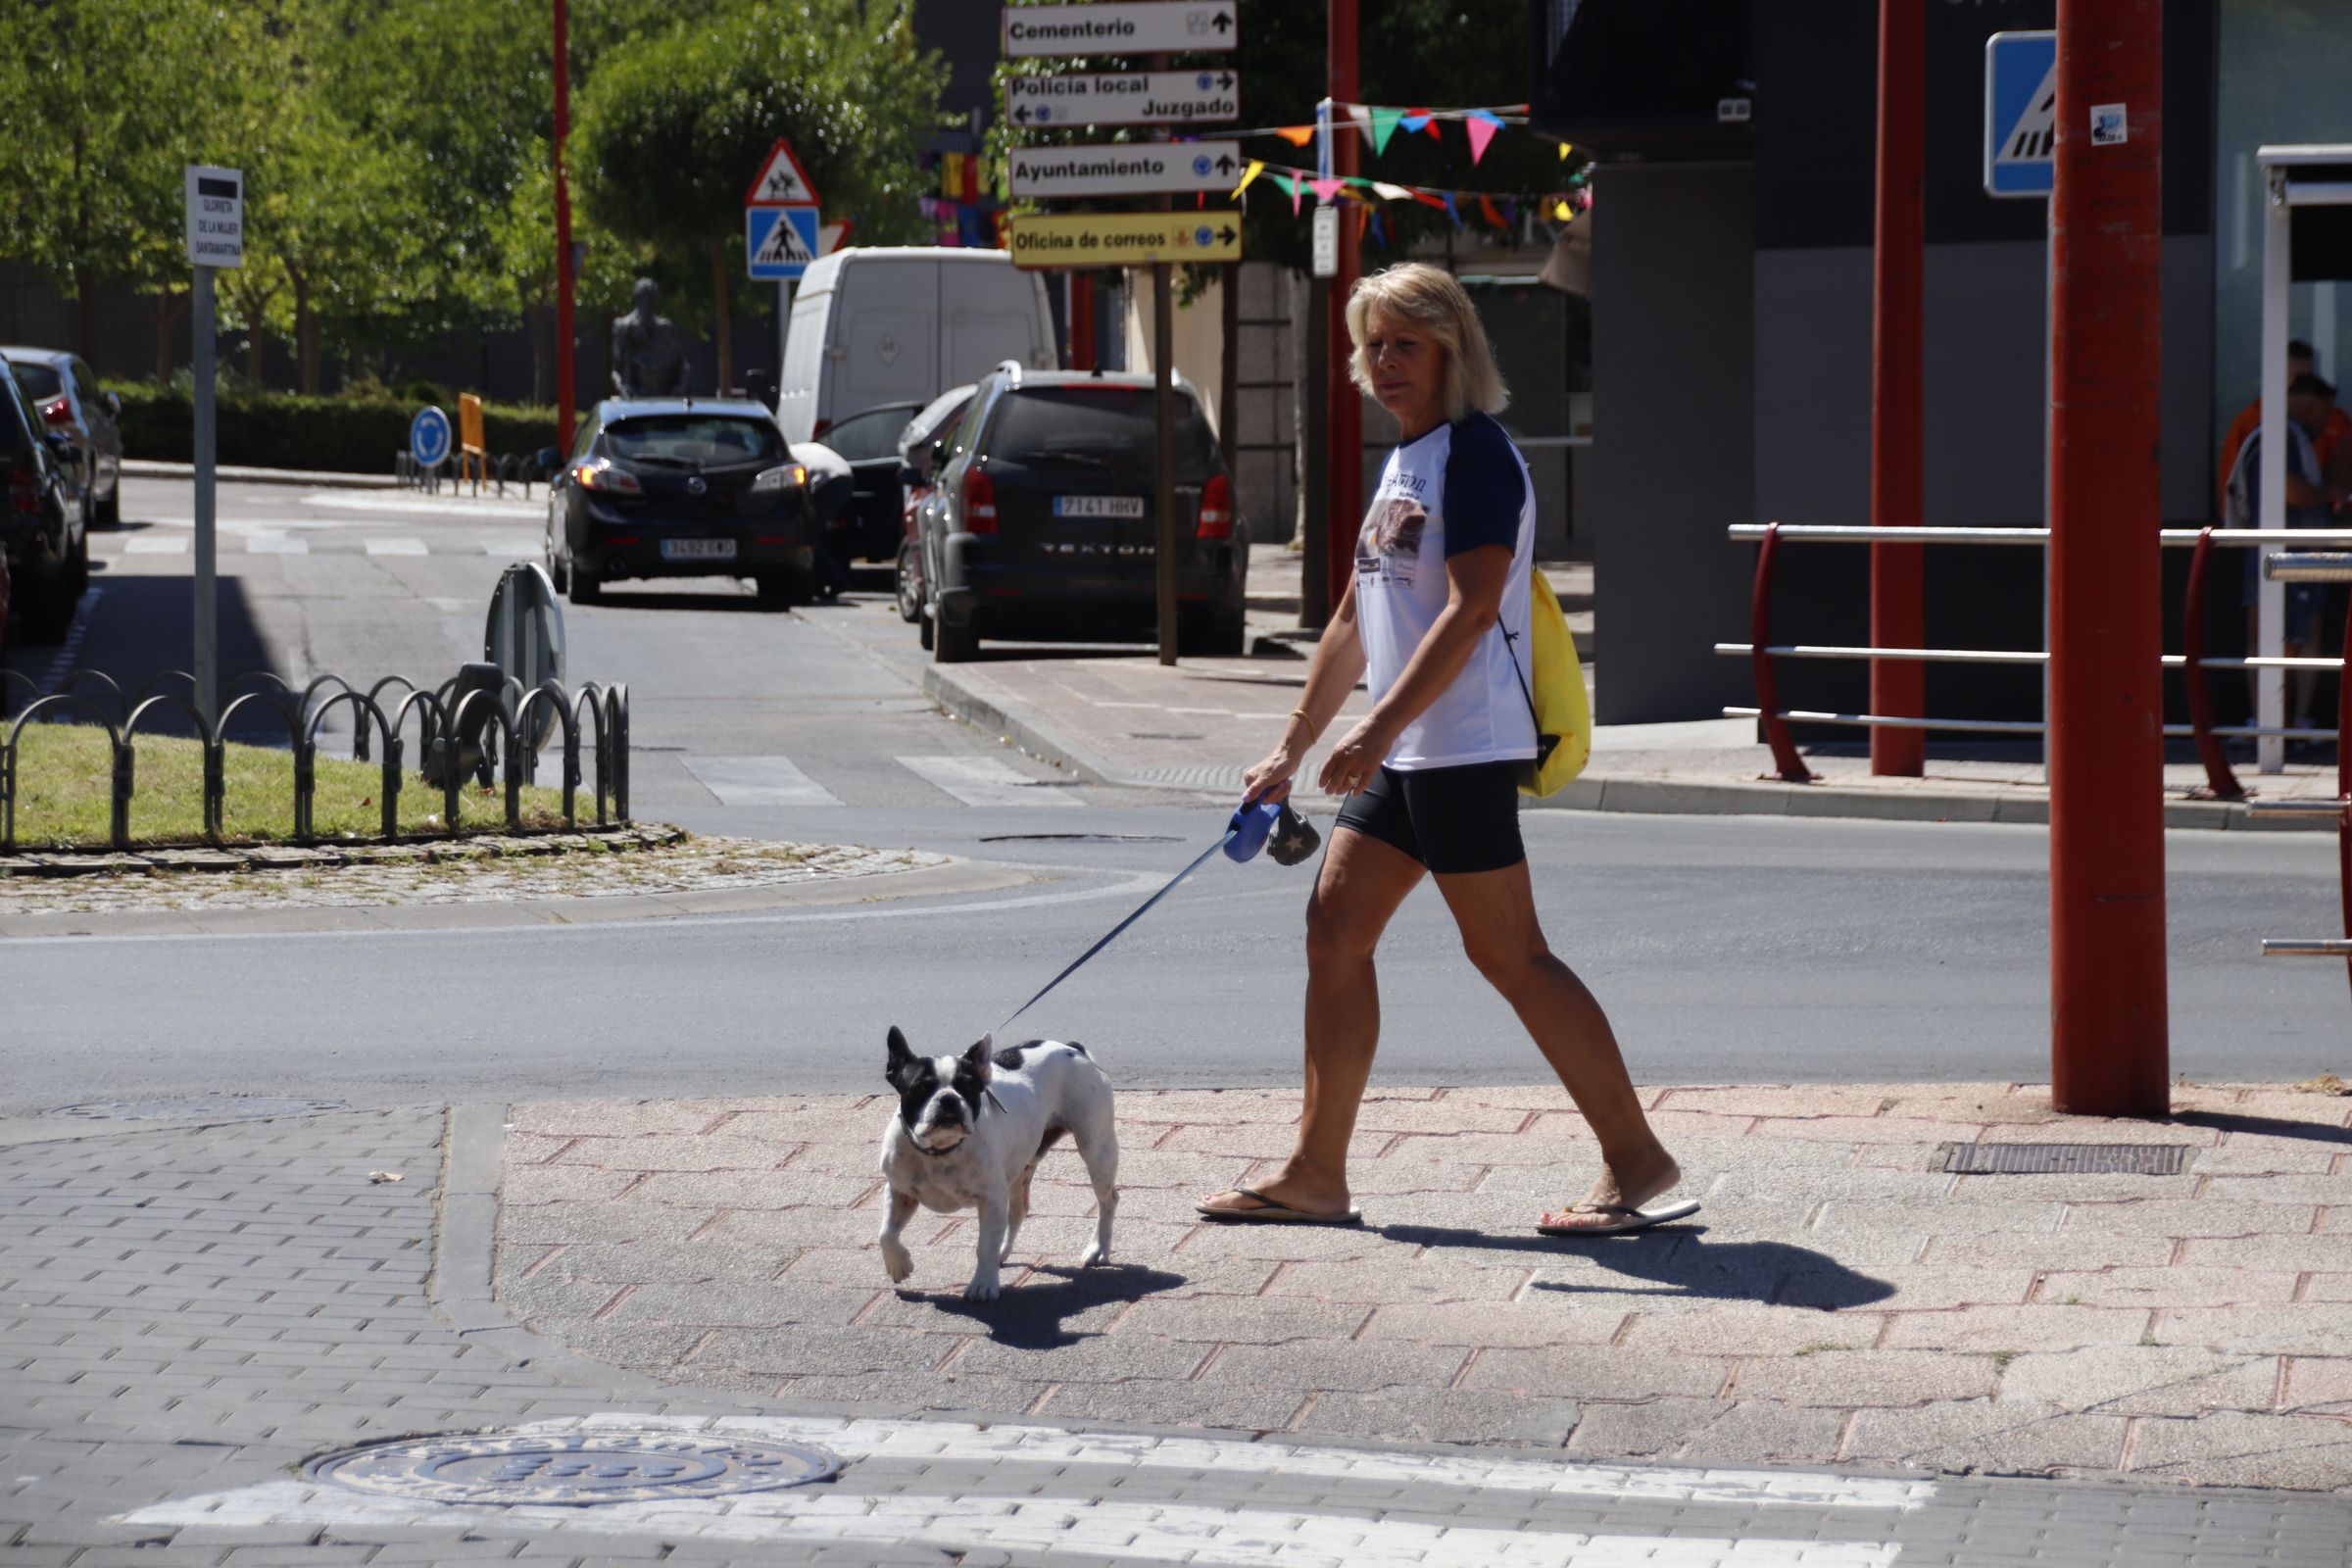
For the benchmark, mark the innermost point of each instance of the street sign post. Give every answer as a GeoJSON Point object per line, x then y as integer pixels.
{"type": "Point", "coordinates": [1124, 239]}
{"type": "Point", "coordinates": [216, 236]}
{"type": "Point", "coordinates": [2020, 113]}
{"type": "Point", "coordinates": [779, 242]}
{"type": "Point", "coordinates": [1125, 98]}
{"type": "Point", "coordinates": [1137, 28]}
{"type": "Point", "coordinates": [1131, 168]}
{"type": "Point", "coordinates": [428, 437]}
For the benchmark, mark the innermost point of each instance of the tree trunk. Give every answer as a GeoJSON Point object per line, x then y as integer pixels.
{"type": "Point", "coordinates": [85, 314]}
{"type": "Point", "coordinates": [306, 338]}
{"type": "Point", "coordinates": [724, 331]}
{"type": "Point", "coordinates": [540, 343]}
{"type": "Point", "coordinates": [167, 306]}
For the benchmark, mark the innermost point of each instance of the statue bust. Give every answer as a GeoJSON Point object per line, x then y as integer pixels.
{"type": "Point", "coordinates": [648, 359]}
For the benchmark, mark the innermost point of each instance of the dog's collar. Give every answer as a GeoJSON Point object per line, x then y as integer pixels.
{"type": "Point", "coordinates": [990, 1094]}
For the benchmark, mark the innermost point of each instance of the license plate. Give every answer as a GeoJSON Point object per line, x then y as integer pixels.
{"type": "Point", "coordinates": [698, 550]}
{"type": "Point", "coordinates": [1098, 506]}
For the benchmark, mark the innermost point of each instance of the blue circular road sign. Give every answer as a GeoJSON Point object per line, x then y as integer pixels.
{"type": "Point", "coordinates": [428, 437]}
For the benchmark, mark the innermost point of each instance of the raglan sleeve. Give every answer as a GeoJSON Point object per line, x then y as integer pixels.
{"type": "Point", "coordinates": [1485, 488]}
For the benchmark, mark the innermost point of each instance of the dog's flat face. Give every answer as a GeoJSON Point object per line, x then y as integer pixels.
{"type": "Point", "coordinates": [939, 1097]}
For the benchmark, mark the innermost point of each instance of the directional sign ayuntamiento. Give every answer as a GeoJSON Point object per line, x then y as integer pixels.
{"type": "Point", "coordinates": [779, 242]}
{"type": "Point", "coordinates": [1125, 98]}
{"type": "Point", "coordinates": [1127, 169]}
{"type": "Point", "coordinates": [1124, 239]}
{"type": "Point", "coordinates": [1136, 28]}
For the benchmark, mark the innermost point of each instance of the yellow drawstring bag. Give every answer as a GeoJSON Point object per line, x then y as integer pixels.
{"type": "Point", "coordinates": [1557, 703]}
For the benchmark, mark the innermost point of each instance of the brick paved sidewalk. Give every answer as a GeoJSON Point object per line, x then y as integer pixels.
{"type": "Point", "coordinates": [1842, 1297]}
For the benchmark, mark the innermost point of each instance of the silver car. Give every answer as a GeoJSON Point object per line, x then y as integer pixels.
{"type": "Point", "coordinates": [66, 393]}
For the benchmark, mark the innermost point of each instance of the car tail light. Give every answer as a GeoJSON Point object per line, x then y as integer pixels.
{"type": "Point", "coordinates": [1216, 509]}
{"type": "Point", "coordinates": [58, 411]}
{"type": "Point", "coordinates": [979, 501]}
{"type": "Point", "coordinates": [599, 476]}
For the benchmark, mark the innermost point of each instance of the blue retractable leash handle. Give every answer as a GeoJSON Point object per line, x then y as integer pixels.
{"type": "Point", "coordinates": [1245, 835]}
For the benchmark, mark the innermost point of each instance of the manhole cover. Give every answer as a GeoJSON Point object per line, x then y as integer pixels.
{"type": "Point", "coordinates": [2065, 1159]}
{"type": "Point", "coordinates": [573, 1469]}
{"type": "Point", "coordinates": [1080, 838]}
{"type": "Point", "coordinates": [199, 1107]}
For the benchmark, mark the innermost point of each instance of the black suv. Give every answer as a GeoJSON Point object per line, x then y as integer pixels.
{"type": "Point", "coordinates": [1042, 521]}
{"type": "Point", "coordinates": [41, 526]}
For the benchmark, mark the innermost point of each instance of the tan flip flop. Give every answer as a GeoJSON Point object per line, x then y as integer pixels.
{"type": "Point", "coordinates": [1627, 1219]}
{"type": "Point", "coordinates": [1269, 1212]}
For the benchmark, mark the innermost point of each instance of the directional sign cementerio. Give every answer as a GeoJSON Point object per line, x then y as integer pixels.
{"type": "Point", "coordinates": [1125, 98]}
{"type": "Point", "coordinates": [1124, 239]}
{"type": "Point", "coordinates": [1135, 28]}
{"type": "Point", "coordinates": [1126, 169]}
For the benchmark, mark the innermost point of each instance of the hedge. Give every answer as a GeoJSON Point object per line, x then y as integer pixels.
{"type": "Point", "coordinates": [284, 430]}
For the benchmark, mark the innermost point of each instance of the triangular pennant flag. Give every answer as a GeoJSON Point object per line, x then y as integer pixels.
{"type": "Point", "coordinates": [1326, 190]}
{"type": "Point", "coordinates": [1451, 211]}
{"type": "Point", "coordinates": [1254, 168]}
{"type": "Point", "coordinates": [1565, 149]}
{"type": "Point", "coordinates": [1429, 123]}
{"type": "Point", "coordinates": [1413, 121]}
{"type": "Point", "coordinates": [1482, 128]}
{"type": "Point", "coordinates": [1393, 193]}
{"type": "Point", "coordinates": [1301, 136]}
{"type": "Point", "coordinates": [1426, 200]}
{"type": "Point", "coordinates": [1487, 211]}
{"type": "Point", "coordinates": [1384, 126]}
{"type": "Point", "coordinates": [1380, 232]}
{"type": "Point", "coordinates": [1290, 188]}
{"type": "Point", "coordinates": [1562, 211]}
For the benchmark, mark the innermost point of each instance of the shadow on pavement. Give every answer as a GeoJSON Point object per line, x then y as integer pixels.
{"type": "Point", "coordinates": [2264, 1126]}
{"type": "Point", "coordinates": [138, 627]}
{"type": "Point", "coordinates": [1030, 1316]}
{"type": "Point", "coordinates": [1682, 1263]}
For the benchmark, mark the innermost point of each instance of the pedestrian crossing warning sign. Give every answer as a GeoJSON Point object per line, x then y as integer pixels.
{"type": "Point", "coordinates": [2020, 113]}
{"type": "Point", "coordinates": [782, 181]}
{"type": "Point", "coordinates": [779, 242]}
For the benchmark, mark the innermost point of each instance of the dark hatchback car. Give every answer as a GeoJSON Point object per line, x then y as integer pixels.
{"type": "Point", "coordinates": [870, 527]}
{"type": "Point", "coordinates": [1041, 522]}
{"type": "Point", "coordinates": [688, 487]}
{"type": "Point", "coordinates": [71, 402]}
{"type": "Point", "coordinates": [41, 529]}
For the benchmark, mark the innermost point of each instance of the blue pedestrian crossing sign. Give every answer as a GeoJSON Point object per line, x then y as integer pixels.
{"type": "Point", "coordinates": [2020, 113]}
{"type": "Point", "coordinates": [779, 242]}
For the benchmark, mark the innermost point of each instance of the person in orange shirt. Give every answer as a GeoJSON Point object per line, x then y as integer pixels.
{"type": "Point", "coordinates": [2329, 445]}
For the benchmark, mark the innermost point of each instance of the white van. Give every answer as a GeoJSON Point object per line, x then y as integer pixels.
{"type": "Point", "coordinates": [876, 324]}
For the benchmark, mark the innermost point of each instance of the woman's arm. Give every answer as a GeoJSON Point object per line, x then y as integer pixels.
{"type": "Point", "coordinates": [1338, 665]}
{"type": "Point", "coordinates": [1474, 580]}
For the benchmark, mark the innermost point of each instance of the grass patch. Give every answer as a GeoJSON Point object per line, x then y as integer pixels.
{"type": "Point", "coordinates": [65, 776]}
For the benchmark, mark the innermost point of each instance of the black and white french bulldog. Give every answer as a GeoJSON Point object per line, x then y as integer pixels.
{"type": "Point", "coordinates": [969, 1131]}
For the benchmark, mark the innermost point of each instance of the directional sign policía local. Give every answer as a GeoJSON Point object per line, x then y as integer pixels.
{"type": "Point", "coordinates": [216, 216]}
{"type": "Point", "coordinates": [1124, 239]}
{"type": "Point", "coordinates": [779, 242]}
{"type": "Point", "coordinates": [1137, 28]}
{"type": "Point", "coordinates": [2020, 113]}
{"type": "Point", "coordinates": [1125, 98]}
{"type": "Point", "coordinates": [1126, 169]}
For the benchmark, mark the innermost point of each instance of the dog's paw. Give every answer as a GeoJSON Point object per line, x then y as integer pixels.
{"type": "Point", "coordinates": [1096, 1256]}
{"type": "Point", "coordinates": [981, 1288]}
{"type": "Point", "coordinates": [898, 1264]}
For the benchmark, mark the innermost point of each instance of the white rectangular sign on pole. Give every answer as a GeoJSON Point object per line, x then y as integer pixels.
{"type": "Point", "coordinates": [1323, 256]}
{"type": "Point", "coordinates": [1124, 98]}
{"type": "Point", "coordinates": [1127, 169]}
{"type": "Point", "coordinates": [1136, 28]}
{"type": "Point", "coordinates": [216, 216]}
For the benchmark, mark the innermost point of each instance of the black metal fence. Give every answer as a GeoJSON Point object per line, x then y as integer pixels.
{"type": "Point", "coordinates": [453, 732]}
{"type": "Point", "coordinates": [499, 470]}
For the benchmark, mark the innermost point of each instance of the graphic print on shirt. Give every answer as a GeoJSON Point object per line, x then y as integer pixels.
{"type": "Point", "coordinates": [1388, 546]}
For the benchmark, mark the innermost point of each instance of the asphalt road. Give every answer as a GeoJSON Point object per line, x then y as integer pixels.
{"type": "Point", "coordinates": [1732, 949]}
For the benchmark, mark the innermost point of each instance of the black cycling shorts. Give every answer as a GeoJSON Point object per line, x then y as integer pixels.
{"type": "Point", "coordinates": [1451, 819]}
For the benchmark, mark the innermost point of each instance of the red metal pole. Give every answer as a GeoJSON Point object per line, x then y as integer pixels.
{"type": "Point", "coordinates": [2221, 783]}
{"type": "Point", "coordinates": [1897, 421]}
{"type": "Point", "coordinates": [1791, 766]}
{"type": "Point", "coordinates": [2343, 787]}
{"type": "Point", "coordinates": [2108, 1044]}
{"type": "Point", "coordinates": [1082, 320]}
{"type": "Point", "coordinates": [1344, 483]}
{"type": "Point", "coordinates": [565, 387]}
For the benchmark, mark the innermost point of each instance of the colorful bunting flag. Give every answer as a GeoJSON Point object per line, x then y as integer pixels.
{"type": "Point", "coordinates": [1565, 149]}
{"type": "Point", "coordinates": [1301, 136]}
{"type": "Point", "coordinates": [1326, 190]}
{"type": "Point", "coordinates": [1429, 123]}
{"type": "Point", "coordinates": [1255, 168]}
{"type": "Point", "coordinates": [1413, 121]}
{"type": "Point", "coordinates": [1482, 128]}
{"type": "Point", "coordinates": [1487, 211]}
{"type": "Point", "coordinates": [1384, 126]}
{"type": "Point", "coordinates": [1380, 232]}
{"type": "Point", "coordinates": [1389, 192]}
{"type": "Point", "coordinates": [1451, 211]}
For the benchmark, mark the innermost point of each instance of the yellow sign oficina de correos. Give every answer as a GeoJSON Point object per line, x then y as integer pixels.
{"type": "Point", "coordinates": [1123, 239]}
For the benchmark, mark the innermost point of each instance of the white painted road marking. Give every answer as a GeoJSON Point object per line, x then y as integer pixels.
{"type": "Point", "coordinates": [396, 547]}
{"type": "Point", "coordinates": [984, 781]}
{"type": "Point", "coordinates": [486, 510]}
{"type": "Point", "coordinates": [276, 543]}
{"type": "Point", "coordinates": [148, 544]}
{"type": "Point", "coordinates": [758, 781]}
{"type": "Point", "coordinates": [520, 545]}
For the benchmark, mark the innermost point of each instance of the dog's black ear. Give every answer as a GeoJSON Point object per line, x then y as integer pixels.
{"type": "Point", "coordinates": [900, 1054]}
{"type": "Point", "coordinates": [981, 1056]}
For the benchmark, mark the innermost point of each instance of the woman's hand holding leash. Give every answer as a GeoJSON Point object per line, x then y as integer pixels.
{"type": "Point", "coordinates": [1355, 760]}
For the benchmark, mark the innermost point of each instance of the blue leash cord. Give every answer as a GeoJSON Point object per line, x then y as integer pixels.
{"type": "Point", "coordinates": [1232, 831]}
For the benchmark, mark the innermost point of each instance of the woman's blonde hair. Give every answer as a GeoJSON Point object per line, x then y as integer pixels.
{"type": "Point", "coordinates": [1430, 299]}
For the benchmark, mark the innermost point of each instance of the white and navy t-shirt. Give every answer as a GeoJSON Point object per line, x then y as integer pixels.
{"type": "Point", "coordinates": [1455, 488]}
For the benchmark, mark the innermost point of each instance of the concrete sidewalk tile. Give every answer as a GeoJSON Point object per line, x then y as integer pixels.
{"type": "Point", "coordinates": [1642, 1428]}
{"type": "Point", "coordinates": [2102, 1186]}
{"type": "Point", "coordinates": [2016, 1328]}
{"type": "Point", "coordinates": [1398, 1171]}
{"type": "Point", "coordinates": [741, 1189]}
{"type": "Point", "coordinates": [2141, 1379]}
{"type": "Point", "coordinates": [826, 1352]}
{"type": "Point", "coordinates": [1751, 1329]}
{"type": "Point", "coordinates": [624, 1262]}
{"type": "Point", "coordinates": [1910, 1286]}
{"type": "Point", "coordinates": [1045, 1355]}
{"type": "Point", "coordinates": [2171, 1286]}
{"type": "Point", "coordinates": [2311, 1254]}
{"type": "Point", "coordinates": [2191, 1217]}
{"type": "Point", "coordinates": [706, 1152]}
{"type": "Point", "coordinates": [1381, 1281]}
{"type": "Point", "coordinates": [2319, 1383]}
{"type": "Point", "coordinates": [776, 1303]}
{"type": "Point", "coordinates": [2230, 1449]}
{"type": "Point", "coordinates": [1764, 1099]}
{"type": "Point", "coordinates": [2255, 1156]}
{"type": "Point", "coordinates": [1843, 1217]}
{"type": "Point", "coordinates": [605, 1118]}
{"type": "Point", "coordinates": [1276, 1243]}
{"type": "Point", "coordinates": [1856, 1378]}
{"type": "Point", "coordinates": [1243, 1320]}
{"type": "Point", "coordinates": [932, 1303]}
{"type": "Point", "coordinates": [1443, 1416]}
{"type": "Point", "coordinates": [1595, 1372]}
{"type": "Point", "coordinates": [2327, 1288]}
{"type": "Point", "coordinates": [1457, 1114]}
{"type": "Point", "coordinates": [1980, 1434]}
{"type": "Point", "coordinates": [1197, 1173]}
{"type": "Point", "coordinates": [1207, 1404]}
{"type": "Point", "coordinates": [1484, 1327]}
{"type": "Point", "coordinates": [527, 1184]}
{"type": "Point", "coordinates": [1261, 1140]}
{"type": "Point", "coordinates": [2285, 1189]}
{"type": "Point", "coordinates": [2072, 1251]}
{"type": "Point", "coordinates": [1752, 1430]}
{"type": "Point", "coordinates": [1860, 1130]}
{"type": "Point", "coordinates": [787, 1230]}
{"type": "Point", "coordinates": [1352, 1364]}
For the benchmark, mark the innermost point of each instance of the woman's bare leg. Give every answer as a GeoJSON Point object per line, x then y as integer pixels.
{"type": "Point", "coordinates": [1497, 913]}
{"type": "Point", "coordinates": [1361, 883]}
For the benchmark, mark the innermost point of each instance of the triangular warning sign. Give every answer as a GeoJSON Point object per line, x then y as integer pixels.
{"type": "Point", "coordinates": [783, 245]}
{"type": "Point", "coordinates": [2034, 136]}
{"type": "Point", "coordinates": [782, 181]}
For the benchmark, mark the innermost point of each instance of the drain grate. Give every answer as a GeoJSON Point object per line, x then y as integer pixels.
{"type": "Point", "coordinates": [2065, 1159]}
{"type": "Point", "coordinates": [199, 1107]}
{"type": "Point", "coordinates": [576, 1469]}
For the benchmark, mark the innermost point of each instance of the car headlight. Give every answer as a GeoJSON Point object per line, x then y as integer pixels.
{"type": "Point", "coordinates": [777, 480]}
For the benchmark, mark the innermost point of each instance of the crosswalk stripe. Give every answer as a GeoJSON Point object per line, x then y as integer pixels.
{"type": "Point", "coordinates": [396, 547]}
{"type": "Point", "coordinates": [277, 544]}
{"type": "Point", "coordinates": [517, 544]}
{"type": "Point", "coordinates": [984, 781]}
{"type": "Point", "coordinates": [758, 781]}
{"type": "Point", "coordinates": [148, 544]}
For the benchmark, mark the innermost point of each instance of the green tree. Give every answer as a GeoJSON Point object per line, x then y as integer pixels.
{"type": "Point", "coordinates": [674, 127]}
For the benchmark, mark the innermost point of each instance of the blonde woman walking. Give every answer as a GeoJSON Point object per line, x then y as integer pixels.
{"type": "Point", "coordinates": [1431, 774]}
